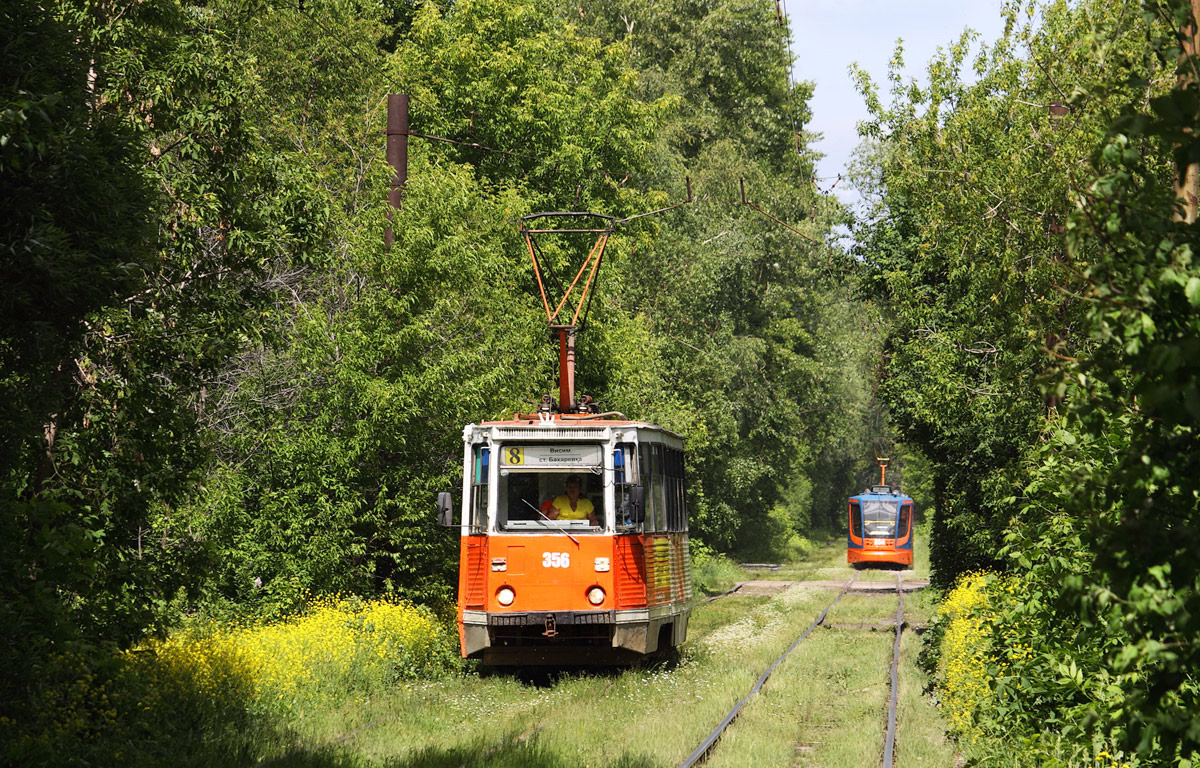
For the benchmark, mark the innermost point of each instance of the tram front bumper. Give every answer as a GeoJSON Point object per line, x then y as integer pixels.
{"type": "Point", "coordinates": [634, 630]}
{"type": "Point", "coordinates": [900, 556]}
{"type": "Point", "coordinates": [480, 628]}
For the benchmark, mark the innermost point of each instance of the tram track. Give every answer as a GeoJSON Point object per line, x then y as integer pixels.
{"type": "Point", "coordinates": [701, 753]}
{"type": "Point", "coordinates": [889, 741]}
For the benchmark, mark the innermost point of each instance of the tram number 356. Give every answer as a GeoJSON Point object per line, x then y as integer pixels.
{"type": "Point", "coordinates": [556, 559]}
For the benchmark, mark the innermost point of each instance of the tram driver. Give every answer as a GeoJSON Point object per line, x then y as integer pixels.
{"type": "Point", "coordinates": [572, 506]}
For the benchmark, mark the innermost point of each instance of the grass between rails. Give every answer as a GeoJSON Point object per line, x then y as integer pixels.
{"type": "Point", "coordinates": [661, 713]}
{"type": "Point", "coordinates": [827, 704]}
{"type": "Point", "coordinates": [822, 707]}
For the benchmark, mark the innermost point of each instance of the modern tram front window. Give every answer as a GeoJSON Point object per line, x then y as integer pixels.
{"type": "Point", "coordinates": [536, 479]}
{"type": "Point", "coordinates": [879, 518]}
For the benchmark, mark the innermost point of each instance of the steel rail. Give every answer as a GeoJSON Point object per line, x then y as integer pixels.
{"type": "Point", "coordinates": [726, 593]}
{"type": "Point", "coordinates": [889, 742]}
{"type": "Point", "coordinates": [702, 750]}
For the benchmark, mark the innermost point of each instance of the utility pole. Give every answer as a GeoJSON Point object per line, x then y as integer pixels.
{"type": "Point", "coordinates": [397, 153]}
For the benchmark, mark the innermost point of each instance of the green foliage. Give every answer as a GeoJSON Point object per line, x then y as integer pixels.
{"type": "Point", "coordinates": [137, 199]}
{"type": "Point", "coordinates": [1082, 406]}
{"type": "Point", "coordinates": [1003, 670]}
{"type": "Point", "coordinates": [327, 479]}
{"type": "Point", "coordinates": [1142, 384]}
{"type": "Point", "coordinates": [966, 245]}
{"type": "Point", "coordinates": [712, 572]}
{"type": "Point", "coordinates": [243, 398]}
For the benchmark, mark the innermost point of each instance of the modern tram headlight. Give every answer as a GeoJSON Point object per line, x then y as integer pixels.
{"type": "Point", "coordinates": [505, 595]}
{"type": "Point", "coordinates": [595, 595]}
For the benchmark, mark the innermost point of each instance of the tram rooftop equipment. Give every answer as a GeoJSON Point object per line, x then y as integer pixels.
{"type": "Point", "coordinates": [539, 582]}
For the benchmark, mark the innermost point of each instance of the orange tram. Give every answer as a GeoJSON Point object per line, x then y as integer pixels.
{"type": "Point", "coordinates": [535, 590]}
{"type": "Point", "coordinates": [880, 528]}
{"type": "Point", "coordinates": [573, 525]}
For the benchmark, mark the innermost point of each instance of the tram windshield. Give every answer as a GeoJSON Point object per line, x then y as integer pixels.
{"type": "Point", "coordinates": [551, 486]}
{"type": "Point", "coordinates": [529, 501]}
{"type": "Point", "coordinates": [879, 517]}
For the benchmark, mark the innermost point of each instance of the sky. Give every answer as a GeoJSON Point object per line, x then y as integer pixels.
{"type": "Point", "coordinates": [827, 35]}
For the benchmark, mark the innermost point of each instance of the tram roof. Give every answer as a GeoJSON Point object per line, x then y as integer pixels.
{"type": "Point", "coordinates": [601, 420]}
{"type": "Point", "coordinates": [882, 492]}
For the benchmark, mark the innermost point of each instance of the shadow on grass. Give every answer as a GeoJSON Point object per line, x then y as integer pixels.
{"type": "Point", "coordinates": [549, 676]}
{"type": "Point", "coordinates": [145, 709]}
{"type": "Point", "coordinates": [512, 751]}
{"type": "Point", "coordinates": [525, 755]}
{"type": "Point", "coordinates": [153, 710]}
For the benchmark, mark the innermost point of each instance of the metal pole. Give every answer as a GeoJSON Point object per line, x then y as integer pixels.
{"type": "Point", "coordinates": [397, 153]}
{"type": "Point", "coordinates": [566, 369]}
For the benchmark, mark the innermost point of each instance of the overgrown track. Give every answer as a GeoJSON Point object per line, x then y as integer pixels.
{"type": "Point", "coordinates": [702, 751]}
{"type": "Point", "coordinates": [889, 742]}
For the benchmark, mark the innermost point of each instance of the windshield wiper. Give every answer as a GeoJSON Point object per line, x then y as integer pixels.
{"type": "Point", "coordinates": [548, 520]}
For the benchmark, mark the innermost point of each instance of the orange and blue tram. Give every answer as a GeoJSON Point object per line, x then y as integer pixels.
{"type": "Point", "coordinates": [880, 528]}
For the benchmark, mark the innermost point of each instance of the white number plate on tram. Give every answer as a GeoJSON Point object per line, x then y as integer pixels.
{"type": "Point", "coordinates": [556, 559]}
{"type": "Point", "coordinates": [878, 542]}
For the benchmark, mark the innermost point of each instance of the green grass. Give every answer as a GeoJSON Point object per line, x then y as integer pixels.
{"type": "Point", "coordinates": [827, 704]}
{"type": "Point", "coordinates": [826, 563]}
{"type": "Point", "coordinates": [924, 739]}
{"type": "Point", "coordinates": [652, 715]}
{"type": "Point", "coordinates": [824, 706]}
{"type": "Point", "coordinates": [713, 574]}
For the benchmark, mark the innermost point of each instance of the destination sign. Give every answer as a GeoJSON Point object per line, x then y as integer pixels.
{"type": "Point", "coordinates": [546, 456]}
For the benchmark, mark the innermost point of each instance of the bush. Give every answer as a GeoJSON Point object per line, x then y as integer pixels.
{"type": "Point", "coordinates": [964, 642]}
{"type": "Point", "coordinates": [1006, 672]}
{"type": "Point", "coordinates": [712, 572]}
{"type": "Point", "coordinates": [224, 685]}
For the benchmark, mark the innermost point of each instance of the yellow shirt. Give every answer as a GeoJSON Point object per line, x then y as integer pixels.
{"type": "Point", "coordinates": [583, 508]}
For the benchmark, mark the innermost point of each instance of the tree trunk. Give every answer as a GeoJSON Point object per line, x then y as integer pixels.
{"type": "Point", "coordinates": [1187, 178]}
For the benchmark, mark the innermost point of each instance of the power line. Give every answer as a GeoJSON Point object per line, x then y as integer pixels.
{"type": "Point", "coordinates": [474, 145]}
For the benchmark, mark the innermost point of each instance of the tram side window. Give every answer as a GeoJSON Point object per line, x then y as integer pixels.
{"type": "Point", "coordinates": [660, 489]}
{"type": "Point", "coordinates": [479, 488]}
{"type": "Point", "coordinates": [855, 519]}
{"type": "Point", "coordinates": [681, 491]}
{"type": "Point", "coordinates": [645, 462]}
{"type": "Point", "coordinates": [905, 520]}
{"type": "Point", "coordinates": [668, 476]}
{"type": "Point", "coordinates": [623, 478]}
{"type": "Point", "coordinates": [676, 505]}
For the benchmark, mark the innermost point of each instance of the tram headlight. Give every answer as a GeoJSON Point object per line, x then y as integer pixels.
{"type": "Point", "coordinates": [595, 595]}
{"type": "Point", "coordinates": [505, 596]}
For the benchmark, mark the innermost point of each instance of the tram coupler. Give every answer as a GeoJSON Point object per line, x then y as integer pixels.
{"type": "Point", "coordinates": [551, 627]}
